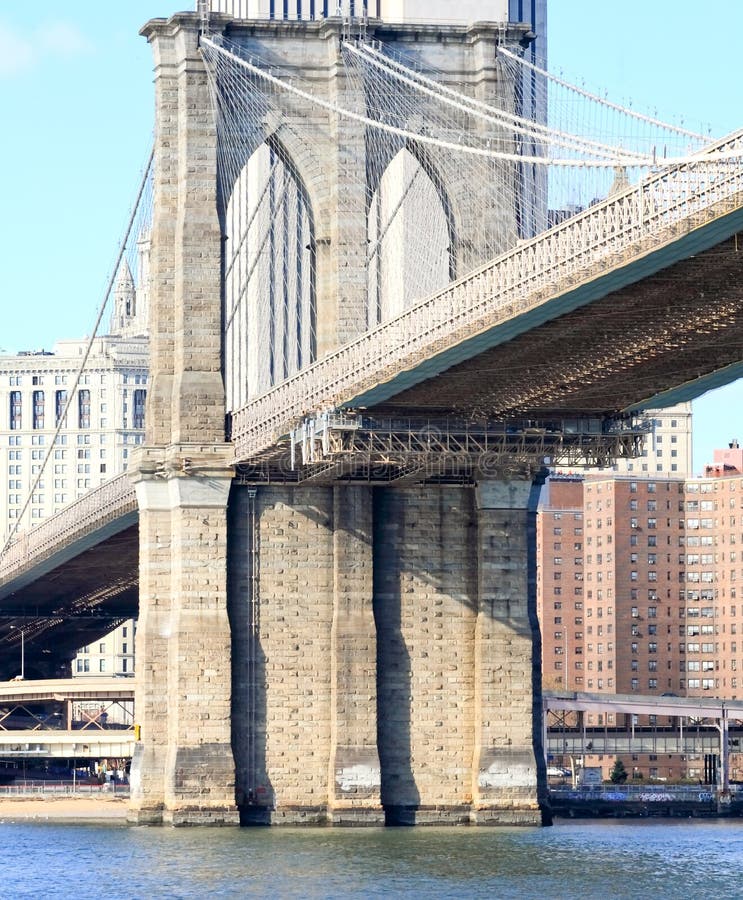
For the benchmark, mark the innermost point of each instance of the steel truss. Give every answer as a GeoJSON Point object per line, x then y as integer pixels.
{"type": "Point", "coordinates": [352, 446]}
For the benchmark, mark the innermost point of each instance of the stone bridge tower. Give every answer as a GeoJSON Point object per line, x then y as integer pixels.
{"type": "Point", "coordinates": [326, 653]}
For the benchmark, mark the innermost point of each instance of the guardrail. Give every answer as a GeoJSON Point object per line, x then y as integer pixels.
{"type": "Point", "coordinates": [644, 793]}
{"type": "Point", "coordinates": [39, 789]}
{"type": "Point", "coordinates": [660, 209]}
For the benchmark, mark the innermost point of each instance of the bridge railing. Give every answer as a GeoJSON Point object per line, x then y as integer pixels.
{"type": "Point", "coordinates": [30, 788]}
{"type": "Point", "coordinates": [642, 793]}
{"type": "Point", "coordinates": [656, 211]}
{"type": "Point", "coordinates": [111, 500]}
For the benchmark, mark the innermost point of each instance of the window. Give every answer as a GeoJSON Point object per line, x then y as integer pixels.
{"type": "Point", "coordinates": [15, 410]}
{"type": "Point", "coordinates": [38, 409]}
{"type": "Point", "coordinates": [60, 401]}
{"type": "Point", "coordinates": [83, 408]}
{"type": "Point", "coordinates": [139, 405]}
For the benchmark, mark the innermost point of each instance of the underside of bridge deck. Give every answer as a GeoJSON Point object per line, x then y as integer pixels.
{"type": "Point", "coordinates": [70, 606]}
{"type": "Point", "coordinates": [674, 327]}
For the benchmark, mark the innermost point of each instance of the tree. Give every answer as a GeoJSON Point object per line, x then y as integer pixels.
{"type": "Point", "coordinates": [618, 774]}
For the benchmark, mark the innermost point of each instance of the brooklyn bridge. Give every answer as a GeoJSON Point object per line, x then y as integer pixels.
{"type": "Point", "coordinates": [377, 317]}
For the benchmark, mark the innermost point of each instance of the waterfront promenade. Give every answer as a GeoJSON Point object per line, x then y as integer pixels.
{"type": "Point", "coordinates": [63, 808]}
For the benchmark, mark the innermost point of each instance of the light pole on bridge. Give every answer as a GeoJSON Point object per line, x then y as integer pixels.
{"type": "Point", "coordinates": [23, 649]}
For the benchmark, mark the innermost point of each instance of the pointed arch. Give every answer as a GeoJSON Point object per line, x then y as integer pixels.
{"type": "Point", "coordinates": [410, 235]}
{"type": "Point", "coordinates": [269, 316]}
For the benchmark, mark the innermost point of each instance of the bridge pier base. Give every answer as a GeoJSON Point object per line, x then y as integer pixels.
{"type": "Point", "coordinates": [354, 775]}
{"type": "Point", "coordinates": [384, 658]}
{"type": "Point", "coordinates": [507, 659]}
{"type": "Point", "coordinates": [183, 769]}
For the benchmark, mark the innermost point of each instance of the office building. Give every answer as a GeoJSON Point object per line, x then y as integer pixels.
{"type": "Point", "coordinates": [101, 412]}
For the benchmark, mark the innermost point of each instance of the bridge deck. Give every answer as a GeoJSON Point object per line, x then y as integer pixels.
{"type": "Point", "coordinates": [666, 219]}
{"type": "Point", "coordinates": [83, 688]}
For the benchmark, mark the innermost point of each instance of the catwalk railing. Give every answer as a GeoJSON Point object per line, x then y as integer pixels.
{"type": "Point", "coordinates": [656, 212]}
{"type": "Point", "coordinates": [106, 503]}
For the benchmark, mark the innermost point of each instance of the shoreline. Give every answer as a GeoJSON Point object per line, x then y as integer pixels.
{"type": "Point", "coordinates": [64, 809]}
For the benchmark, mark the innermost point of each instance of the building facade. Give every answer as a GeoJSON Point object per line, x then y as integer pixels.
{"type": "Point", "coordinates": [101, 411]}
{"type": "Point", "coordinates": [666, 449]}
{"type": "Point", "coordinates": [388, 10]}
{"type": "Point", "coordinates": [112, 655]}
{"type": "Point", "coordinates": [638, 580]}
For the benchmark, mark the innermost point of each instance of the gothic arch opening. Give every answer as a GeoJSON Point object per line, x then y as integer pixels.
{"type": "Point", "coordinates": [269, 276]}
{"type": "Point", "coordinates": [409, 238]}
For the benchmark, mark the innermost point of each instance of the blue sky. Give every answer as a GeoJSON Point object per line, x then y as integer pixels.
{"type": "Point", "coordinates": [76, 87]}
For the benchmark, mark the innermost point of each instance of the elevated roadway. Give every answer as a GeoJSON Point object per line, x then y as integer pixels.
{"type": "Point", "coordinates": [69, 581]}
{"type": "Point", "coordinates": [60, 689]}
{"type": "Point", "coordinates": [634, 300]}
{"type": "Point", "coordinates": [92, 741]}
{"type": "Point", "coordinates": [711, 723]}
{"type": "Point", "coordinates": [643, 704]}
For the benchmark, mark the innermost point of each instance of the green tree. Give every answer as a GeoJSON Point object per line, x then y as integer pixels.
{"type": "Point", "coordinates": [618, 774]}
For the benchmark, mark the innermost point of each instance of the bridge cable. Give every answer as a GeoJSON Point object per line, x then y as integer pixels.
{"type": "Point", "coordinates": [81, 368]}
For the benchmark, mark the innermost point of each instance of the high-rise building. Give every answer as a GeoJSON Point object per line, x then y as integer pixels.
{"type": "Point", "coordinates": [638, 580]}
{"type": "Point", "coordinates": [560, 547]}
{"type": "Point", "coordinates": [104, 415]}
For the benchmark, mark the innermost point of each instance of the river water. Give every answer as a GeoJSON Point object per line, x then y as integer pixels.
{"type": "Point", "coordinates": [596, 859]}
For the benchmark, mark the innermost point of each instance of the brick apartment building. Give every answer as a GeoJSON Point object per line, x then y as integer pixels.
{"type": "Point", "coordinates": [638, 581]}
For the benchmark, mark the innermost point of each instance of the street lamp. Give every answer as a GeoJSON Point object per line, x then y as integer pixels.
{"type": "Point", "coordinates": [23, 651]}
